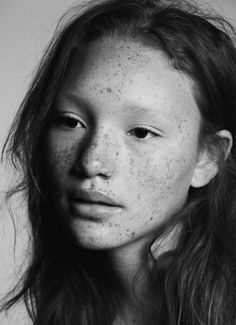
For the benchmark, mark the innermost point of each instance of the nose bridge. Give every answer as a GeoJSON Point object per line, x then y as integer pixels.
{"type": "Point", "coordinates": [98, 156]}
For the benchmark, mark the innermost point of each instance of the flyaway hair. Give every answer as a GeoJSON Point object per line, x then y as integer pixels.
{"type": "Point", "coordinates": [193, 284]}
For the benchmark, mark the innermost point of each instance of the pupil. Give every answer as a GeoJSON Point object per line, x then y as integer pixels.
{"type": "Point", "coordinates": [71, 122]}
{"type": "Point", "coordinates": [140, 133]}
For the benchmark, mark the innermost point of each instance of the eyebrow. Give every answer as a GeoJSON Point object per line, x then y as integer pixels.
{"type": "Point", "coordinates": [76, 99]}
{"type": "Point", "coordinates": [130, 107]}
{"type": "Point", "coordinates": [150, 110]}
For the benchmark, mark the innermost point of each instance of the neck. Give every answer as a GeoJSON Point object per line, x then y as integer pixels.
{"type": "Point", "coordinates": [127, 261]}
{"type": "Point", "coordinates": [138, 298]}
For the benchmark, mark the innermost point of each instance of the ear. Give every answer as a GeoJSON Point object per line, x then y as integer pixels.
{"type": "Point", "coordinates": [207, 167]}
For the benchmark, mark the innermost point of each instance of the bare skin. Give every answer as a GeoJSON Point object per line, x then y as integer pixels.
{"type": "Point", "coordinates": [134, 138]}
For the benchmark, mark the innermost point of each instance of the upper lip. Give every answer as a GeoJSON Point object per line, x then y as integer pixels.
{"type": "Point", "coordinates": [94, 197]}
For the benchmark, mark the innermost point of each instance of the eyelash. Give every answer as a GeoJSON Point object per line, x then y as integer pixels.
{"type": "Point", "coordinates": [146, 130]}
{"type": "Point", "coordinates": [69, 118]}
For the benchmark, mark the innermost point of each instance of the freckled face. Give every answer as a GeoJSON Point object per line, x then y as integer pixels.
{"type": "Point", "coordinates": [126, 125]}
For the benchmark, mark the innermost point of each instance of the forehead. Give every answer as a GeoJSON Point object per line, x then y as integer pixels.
{"type": "Point", "coordinates": [127, 72]}
{"type": "Point", "coordinates": [114, 58]}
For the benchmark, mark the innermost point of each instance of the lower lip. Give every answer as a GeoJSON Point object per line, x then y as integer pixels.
{"type": "Point", "coordinates": [93, 210]}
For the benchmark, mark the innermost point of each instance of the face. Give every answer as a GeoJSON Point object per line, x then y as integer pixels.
{"type": "Point", "coordinates": [123, 144]}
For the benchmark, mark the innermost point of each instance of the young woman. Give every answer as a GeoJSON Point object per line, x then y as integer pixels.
{"type": "Point", "coordinates": [126, 140]}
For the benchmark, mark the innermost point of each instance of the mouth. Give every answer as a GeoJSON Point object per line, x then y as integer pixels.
{"type": "Point", "coordinates": [93, 204]}
{"type": "Point", "coordinates": [94, 197]}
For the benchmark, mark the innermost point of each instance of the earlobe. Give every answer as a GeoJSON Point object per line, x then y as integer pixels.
{"type": "Point", "coordinates": [206, 166]}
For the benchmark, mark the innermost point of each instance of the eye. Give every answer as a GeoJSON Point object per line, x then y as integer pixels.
{"type": "Point", "coordinates": [70, 120]}
{"type": "Point", "coordinates": [143, 133]}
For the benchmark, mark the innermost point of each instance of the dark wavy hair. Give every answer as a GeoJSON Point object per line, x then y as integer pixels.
{"type": "Point", "coordinates": [195, 283]}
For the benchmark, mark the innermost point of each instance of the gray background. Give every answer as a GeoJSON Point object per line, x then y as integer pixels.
{"type": "Point", "coordinates": [26, 26]}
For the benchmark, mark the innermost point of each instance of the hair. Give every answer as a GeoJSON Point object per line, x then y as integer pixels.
{"type": "Point", "coordinates": [194, 283]}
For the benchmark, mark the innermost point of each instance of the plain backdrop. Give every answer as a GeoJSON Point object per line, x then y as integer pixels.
{"type": "Point", "coordinates": [26, 26]}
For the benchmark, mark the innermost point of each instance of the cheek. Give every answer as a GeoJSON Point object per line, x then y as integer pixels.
{"type": "Point", "coordinates": [59, 157]}
{"type": "Point", "coordinates": [161, 177]}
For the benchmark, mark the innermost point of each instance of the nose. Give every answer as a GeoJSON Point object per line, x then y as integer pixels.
{"type": "Point", "coordinates": [97, 156]}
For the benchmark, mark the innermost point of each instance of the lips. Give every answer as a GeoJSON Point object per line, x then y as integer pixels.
{"type": "Point", "coordinates": [93, 205]}
{"type": "Point", "coordinates": [94, 197]}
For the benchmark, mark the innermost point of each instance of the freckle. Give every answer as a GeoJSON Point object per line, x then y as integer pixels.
{"type": "Point", "coordinates": [151, 218]}
{"type": "Point", "coordinates": [101, 91]}
{"type": "Point", "coordinates": [108, 89]}
{"type": "Point", "coordinates": [129, 58]}
{"type": "Point", "coordinates": [119, 65]}
{"type": "Point", "coordinates": [133, 233]}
